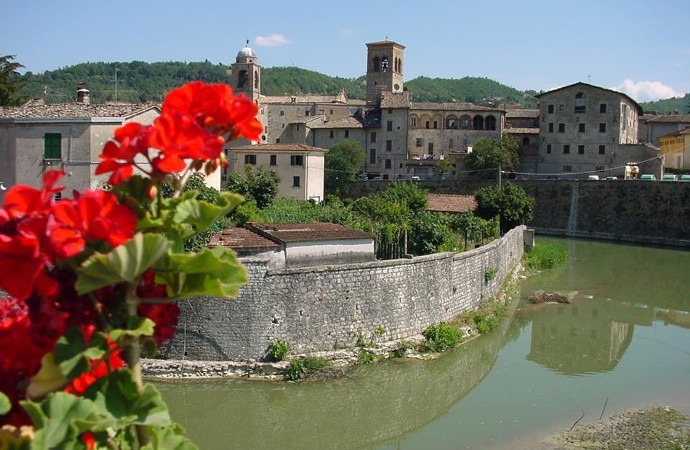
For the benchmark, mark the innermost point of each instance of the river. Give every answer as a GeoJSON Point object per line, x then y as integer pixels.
{"type": "Point", "coordinates": [623, 342]}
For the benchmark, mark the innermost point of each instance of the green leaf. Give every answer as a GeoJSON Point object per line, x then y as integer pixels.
{"type": "Point", "coordinates": [72, 353]}
{"type": "Point", "coordinates": [137, 327]}
{"type": "Point", "coordinates": [48, 379]}
{"type": "Point", "coordinates": [5, 404]}
{"type": "Point", "coordinates": [122, 264]}
{"type": "Point", "coordinates": [56, 417]}
{"type": "Point", "coordinates": [211, 272]}
{"type": "Point", "coordinates": [169, 438]}
{"type": "Point", "coordinates": [202, 214]}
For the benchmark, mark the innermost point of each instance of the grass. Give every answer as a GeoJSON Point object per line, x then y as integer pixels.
{"type": "Point", "coordinates": [545, 256]}
{"type": "Point", "coordinates": [305, 367]}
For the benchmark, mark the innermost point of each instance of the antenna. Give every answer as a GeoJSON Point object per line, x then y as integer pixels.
{"type": "Point", "coordinates": [115, 80]}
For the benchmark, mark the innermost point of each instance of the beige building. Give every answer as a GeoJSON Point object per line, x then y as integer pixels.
{"type": "Point", "coordinates": [585, 129]}
{"type": "Point", "coordinates": [36, 137]}
{"type": "Point", "coordinates": [676, 149]}
{"type": "Point", "coordinates": [300, 167]}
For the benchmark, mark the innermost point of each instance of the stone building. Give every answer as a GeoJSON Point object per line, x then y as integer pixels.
{"type": "Point", "coordinates": [36, 137]}
{"type": "Point", "coordinates": [585, 129]}
{"type": "Point", "coordinates": [676, 149]}
{"type": "Point", "coordinates": [401, 138]}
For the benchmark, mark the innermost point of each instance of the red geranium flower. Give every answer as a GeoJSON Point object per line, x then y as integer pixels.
{"type": "Point", "coordinates": [129, 141]}
{"type": "Point", "coordinates": [100, 367]}
{"type": "Point", "coordinates": [95, 215]}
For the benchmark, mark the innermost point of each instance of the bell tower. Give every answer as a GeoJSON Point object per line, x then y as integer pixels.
{"type": "Point", "coordinates": [246, 74]}
{"type": "Point", "coordinates": [384, 70]}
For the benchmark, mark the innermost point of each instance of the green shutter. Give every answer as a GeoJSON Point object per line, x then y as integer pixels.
{"type": "Point", "coordinates": [52, 146]}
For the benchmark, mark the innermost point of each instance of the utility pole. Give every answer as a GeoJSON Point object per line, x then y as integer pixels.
{"type": "Point", "coordinates": [116, 81]}
{"type": "Point", "coordinates": [500, 176]}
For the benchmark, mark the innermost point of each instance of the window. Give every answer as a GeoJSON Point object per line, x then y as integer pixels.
{"type": "Point", "coordinates": [567, 168]}
{"type": "Point", "coordinates": [599, 168]}
{"type": "Point", "coordinates": [602, 108]}
{"type": "Point", "coordinates": [413, 122]}
{"type": "Point", "coordinates": [297, 160]}
{"type": "Point", "coordinates": [389, 125]}
{"type": "Point", "coordinates": [581, 127]}
{"type": "Point", "coordinates": [426, 125]}
{"type": "Point", "coordinates": [548, 148]}
{"type": "Point", "coordinates": [419, 142]}
{"type": "Point", "coordinates": [566, 149]}
{"type": "Point", "coordinates": [372, 156]}
{"type": "Point", "coordinates": [250, 159]}
{"type": "Point", "coordinates": [561, 128]}
{"type": "Point", "coordinates": [602, 149]}
{"type": "Point", "coordinates": [602, 128]}
{"type": "Point", "coordinates": [372, 137]}
{"type": "Point", "coordinates": [549, 109]}
{"type": "Point", "coordinates": [306, 113]}
{"type": "Point", "coordinates": [282, 113]}
{"type": "Point", "coordinates": [430, 148]}
{"type": "Point", "coordinates": [330, 135]}
{"type": "Point", "coordinates": [550, 127]}
{"type": "Point", "coordinates": [389, 163]}
{"type": "Point", "coordinates": [295, 181]}
{"type": "Point", "coordinates": [331, 112]}
{"type": "Point", "coordinates": [435, 124]}
{"type": "Point", "coordinates": [450, 143]}
{"type": "Point", "coordinates": [625, 117]}
{"type": "Point", "coordinates": [579, 102]}
{"type": "Point", "coordinates": [52, 146]}
{"type": "Point", "coordinates": [389, 145]}
{"type": "Point", "coordinates": [274, 160]}
{"type": "Point", "coordinates": [580, 149]}
{"type": "Point", "coordinates": [347, 133]}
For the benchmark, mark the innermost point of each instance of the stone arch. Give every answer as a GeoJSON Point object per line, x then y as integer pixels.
{"type": "Point", "coordinates": [452, 122]}
{"type": "Point", "coordinates": [465, 122]}
{"type": "Point", "coordinates": [478, 122]}
{"type": "Point", "coordinates": [490, 123]}
{"type": "Point", "coordinates": [242, 79]}
{"type": "Point", "coordinates": [256, 79]}
{"type": "Point", "coordinates": [414, 121]}
{"type": "Point", "coordinates": [376, 64]}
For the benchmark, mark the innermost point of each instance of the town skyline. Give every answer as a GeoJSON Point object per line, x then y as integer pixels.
{"type": "Point", "coordinates": [631, 46]}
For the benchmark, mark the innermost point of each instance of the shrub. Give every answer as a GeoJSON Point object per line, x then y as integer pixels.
{"type": "Point", "coordinates": [440, 337]}
{"type": "Point", "coordinates": [279, 350]}
{"type": "Point", "coordinates": [546, 255]}
{"type": "Point", "coordinates": [301, 368]}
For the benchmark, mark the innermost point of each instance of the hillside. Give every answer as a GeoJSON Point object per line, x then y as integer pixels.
{"type": "Point", "coordinates": [138, 81]}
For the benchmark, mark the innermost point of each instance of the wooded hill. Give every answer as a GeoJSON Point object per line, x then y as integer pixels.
{"type": "Point", "coordinates": [138, 81]}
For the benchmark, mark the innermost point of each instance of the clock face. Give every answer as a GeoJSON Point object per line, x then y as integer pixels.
{"type": "Point", "coordinates": [396, 86]}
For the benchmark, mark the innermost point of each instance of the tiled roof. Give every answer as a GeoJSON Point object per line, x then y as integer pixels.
{"type": "Point", "coordinates": [519, 113]}
{"type": "Point", "coordinates": [309, 99]}
{"type": "Point", "coordinates": [396, 100]}
{"type": "Point", "coordinates": [305, 232]}
{"type": "Point", "coordinates": [348, 122]}
{"type": "Point", "coordinates": [521, 130]}
{"type": "Point", "coordinates": [581, 85]}
{"type": "Point", "coordinates": [453, 106]}
{"type": "Point", "coordinates": [292, 148]}
{"type": "Point", "coordinates": [451, 203]}
{"type": "Point", "coordinates": [670, 118]}
{"type": "Point", "coordinates": [678, 133]}
{"type": "Point", "coordinates": [240, 238]}
{"type": "Point", "coordinates": [33, 110]}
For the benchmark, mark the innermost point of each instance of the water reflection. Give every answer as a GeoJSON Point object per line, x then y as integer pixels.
{"type": "Point", "coordinates": [609, 343]}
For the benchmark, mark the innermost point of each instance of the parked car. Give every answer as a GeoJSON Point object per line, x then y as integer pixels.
{"type": "Point", "coordinates": [611, 178]}
{"type": "Point", "coordinates": [668, 177]}
{"type": "Point", "coordinates": [685, 177]}
{"type": "Point", "coordinates": [648, 177]}
{"type": "Point", "coordinates": [593, 177]}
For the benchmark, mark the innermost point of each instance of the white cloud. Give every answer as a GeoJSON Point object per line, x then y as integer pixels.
{"type": "Point", "coordinates": [271, 40]}
{"type": "Point", "coordinates": [646, 91]}
{"type": "Point", "coordinates": [347, 31]}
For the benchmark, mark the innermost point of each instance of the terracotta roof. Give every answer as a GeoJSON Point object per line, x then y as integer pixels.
{"type": "Point", "coordinates": [521, 130]}
{"type": "Point", "coordinates": [240, 239]}
{"type": "Point", "coordinates": [453, 106]}
{"type": "Point", "coordinates": [348, 122]}
{"type": "Point", "coordinates": [451, 203]}
{"type": "Point", "coordinates": [579, 84]}
{"type": "Point", "coordinates": [395, 100]}
{"type": "Point", "coordinates": [71, 110]}
{"type": "Point", "coordinates": [677, 133]}
{"type": "Point", "coordinates": [309, 99]}
{"type": "Point", "coordinates": [671, 118]}
{"type": "Point", "coordinates": [305, 232]}
{"type": "Point", "coordinates": [291, 148]}
{"type": "Point", "coordinates": [516, 113]}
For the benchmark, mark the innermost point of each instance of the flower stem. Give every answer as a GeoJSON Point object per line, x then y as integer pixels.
{"type": "Point", "coordinates": [133, 356]}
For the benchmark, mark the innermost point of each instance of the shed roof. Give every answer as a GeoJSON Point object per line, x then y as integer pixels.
{"type": "Point", "coordinates": [305, 232]}
{"type": "Point", "coordinates": [241, 239]}
{"type": "Point", "coordinates": [451, 203]}
{"type": "Point", "coordinates": [277, 148]}
{"type": "Point", "coordinates": [39, 110]}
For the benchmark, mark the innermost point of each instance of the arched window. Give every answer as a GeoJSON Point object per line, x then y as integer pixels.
{"type": "Point", "coordinates": [256, 79]}
{"type": "Point", "coordinates": [580, 102]}
{"type": "Point", "coordinates": [451, 122]}
{"type": "Point", "coordinates": [478, 123]}
{"type": "Point", "coordinates": [490, 123]}
{"type": "Point", "coordinates": [525, 142]}
{"type": "Point", "coordinates": [242, 79]}
{"type": "Point", "coordinates": [414, 121]}
{"type": "Point", "coordinates": [377, 64]}
{"type": "Point", "coordinates": [466, 122]}
{"type": "Point", "coordinates": [384, 64]}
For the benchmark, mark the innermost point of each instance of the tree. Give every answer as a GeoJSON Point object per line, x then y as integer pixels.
{"type": "Point", "coordinates": [442, 167]}
{"type": "Point", "coordinates": [494, 153]}
{"type": "Point", "coordinates": [511, 204]}
{"type": "Point", "coordinates": [342, 163]}
{"type": "Point", "coordinates": [260, 186]}
{"type": "Point", "coordinates": [10, 81]}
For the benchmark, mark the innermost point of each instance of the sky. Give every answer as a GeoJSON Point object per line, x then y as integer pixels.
{"type": "Point", "coordinates": [641, 48]}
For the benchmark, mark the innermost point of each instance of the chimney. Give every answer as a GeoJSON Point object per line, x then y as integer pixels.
{"type": "Point", "coordinates": [82, 93]}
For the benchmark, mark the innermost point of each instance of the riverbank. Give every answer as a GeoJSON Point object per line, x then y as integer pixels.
{"type": "Point", "coordinates": [656, 428]}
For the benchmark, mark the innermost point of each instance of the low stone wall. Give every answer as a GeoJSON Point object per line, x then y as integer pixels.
{"type": "Point", "coordinates": [330, 307]}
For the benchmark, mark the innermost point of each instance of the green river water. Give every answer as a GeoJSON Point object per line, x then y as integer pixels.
{"type": "Point", "coordinates": [623, 343]}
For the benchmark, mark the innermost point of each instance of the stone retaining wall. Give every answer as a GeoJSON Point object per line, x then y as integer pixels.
{"type": "Point", "coordinates": [326, 308]}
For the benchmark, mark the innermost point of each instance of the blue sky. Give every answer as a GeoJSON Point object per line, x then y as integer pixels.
{"type": "Point", "coordinates": [638, 47]}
